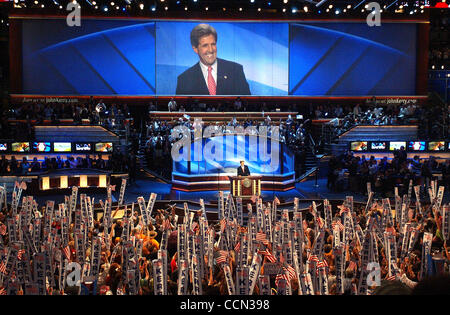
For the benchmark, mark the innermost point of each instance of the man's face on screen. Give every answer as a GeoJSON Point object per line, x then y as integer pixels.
{"type": "Point", "coordinates": [207, 50]}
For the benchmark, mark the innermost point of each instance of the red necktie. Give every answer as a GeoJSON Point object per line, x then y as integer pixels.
{"type": "Point", "coordinates": [211, 82]}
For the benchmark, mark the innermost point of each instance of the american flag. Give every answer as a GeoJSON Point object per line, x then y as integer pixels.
{"type": "Point", "coordinates": [3, 267]}
{"type": "Point", "coordinates": [261, 237]}
{"type": "Point", "coordinates": [237, 247]}
{"type": "Point", "coordinates": [391, 278]}
{"type": "Point", "coordinates": [253, 199]}
{"type": "Point", "coordinates": [20, 253]}
{"type": "Point", "coordinates": [281, 276]}
{"type": "Point", "coordinates": [352, 265]}
{"type": "Point", "coordinates": [2, 229]}
{"type": "Point", "coordinates": [222, 258]}
{"type": "Point", "coordinates": [223, 225]}
{"type": "Point", "coordinates": [343, 209]}
{"type": "Point", "coordinates": [268, 254]}
{"type": "Point", "coordinates": [291, 271]}
{"type": "Point", "coordinates": [322, 263]}
{"type": "Point", "coordinates": [2, 291]}
{"type": "Point", "coordinates": [313, 258]}
{"type": "Point", "coordinates": [66, 252]}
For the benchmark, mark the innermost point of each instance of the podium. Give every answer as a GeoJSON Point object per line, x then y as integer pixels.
{"type": "Point", "coordinates": [245, 186]}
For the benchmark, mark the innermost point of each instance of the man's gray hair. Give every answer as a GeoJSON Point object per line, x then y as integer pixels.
{"type": "Point", "coordinates": [202, 30]}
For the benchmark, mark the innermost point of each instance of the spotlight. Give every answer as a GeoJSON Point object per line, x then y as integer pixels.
{"type": "Point", "coordinates": [112, 4]}
{"type": "Point", "coordinates": [166, 8]}
{"type": "Point", "coordinates": [259, 9]}
{"type": "Point", "coordinates": [141, 6]}
{"type": "Point", "coordinates": [294, 10]}
{"type": "Point", "coordinates": [185, 8]}
{"type": "Point", "coordinates": [349, 6]}
{"type": "Point", "coordinates": [206, 8]}
{"type": "Point", "coordinates": [330, 6]}
{"type": "Point", "coordinates": [337, 11]}
{"type": "Point", "coordinates": [285, 1]}
{"type": "Point", "coordinates": [284, 9]}
{"type": "Point", "coordinates": [105, 9]}
{"type": "Point", "coordinates": [305, 8]}
{"type": "Point", "coordinates": [153, 8]}
{"type": "Point", "coordinates": [240, 9]}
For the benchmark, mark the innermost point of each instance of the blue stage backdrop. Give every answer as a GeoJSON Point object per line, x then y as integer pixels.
{"type": "Point", "coordinates": [276, 159]}
{"type": "Point", "coordinates": [343, 59]}
{"type": "Point", "coordinates": [102, 57]}
{"type": "Point", "coordinates": [261, 48]}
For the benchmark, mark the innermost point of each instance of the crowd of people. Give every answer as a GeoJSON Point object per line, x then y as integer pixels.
{"type": "Point", "coordinates": [347, 172]}
{"type": "Point", "coordinates": [147, 252]}
{"type": "Point", "coordinates": [117, 162]}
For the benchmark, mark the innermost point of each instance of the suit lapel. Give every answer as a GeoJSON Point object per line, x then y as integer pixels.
{"type": "Point", "coordinates": [222, 77]}
{"type": "Point", "coordinates": [200, 80]}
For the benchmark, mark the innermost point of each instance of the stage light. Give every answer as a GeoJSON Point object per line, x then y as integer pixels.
{"type": "Point", "coordinates": [269, 3]}
{"type": "Point", "coordinates": [153, 8]}
{"type": "Point", "coordinates": [442, 67]}
{"type": "Point", "coordinates": [259, 9]}
{"type": "Point", "coordinates": [224, 9]}
{"type": "Point", "coordinates": [252, 1]}
{"type": "Point", "coordinates": [349, 6]}
{"type": "Point", "coordinates": [117, 7]}
{"type": "Point", "coordinates": [206, 8]}
{"type": "Point", "coordinates": [42, 5]}
{"type": "Point", "coordinates": [366, 6]}
{"type": "Point", "coordinates": [381, 10]}
{"type": "Point", "coordinates": [294, 10]}
{"type": "Point", "coordinates": [337, 12]}
{"type": "Point", "coordinates": [141, 6]}
{"type": "Point", "coordinates": [330, 6]}
{"type": "Point", "coordinates": [285, 1]}
{"type": "Point", "coordinates": [284, 9]}
{"type": "Point", "coordinates": [305, 8]}
{"type": "Point", "coordinates": [105, 9]}
{"type": "Point", "coordinates": [345, 10]}
{"type": "Point", "coordinates": [400, 7]}
{"type": "Point", "coordinates": [185, 8]}
{"type": "Point", "coordinates": [240, 9]}
{"type": "Point", "coordinates": [94, 3]}
{"type": "Point", "coordinates": [432, 67]}
{"type": "Point", "coordinates": [96, 7]}
{"type": "Point", "coordinates": [112, 4]}
{"type": "Point", "coordinates": [327, 10]}
{"type": "Point", "coordinates": [62, 7]}
{"type": "Point", "coordinates": [421, 11]}
{"type": "Point", "coordinates": [36, 2]}
{"type": "Point", "coordinates": [166, 8]}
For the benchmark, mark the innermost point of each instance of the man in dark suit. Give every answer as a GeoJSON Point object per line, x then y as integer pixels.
{"type": "Point", "coordinates": [211, 75]}
{"type": "Point", "coordinates": [243, 170]}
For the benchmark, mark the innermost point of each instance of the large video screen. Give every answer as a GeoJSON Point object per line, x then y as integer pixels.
{"type": "Point", "coordinates": [144, 57]}
{"type": "Point", "coordinates": [251, 58]}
